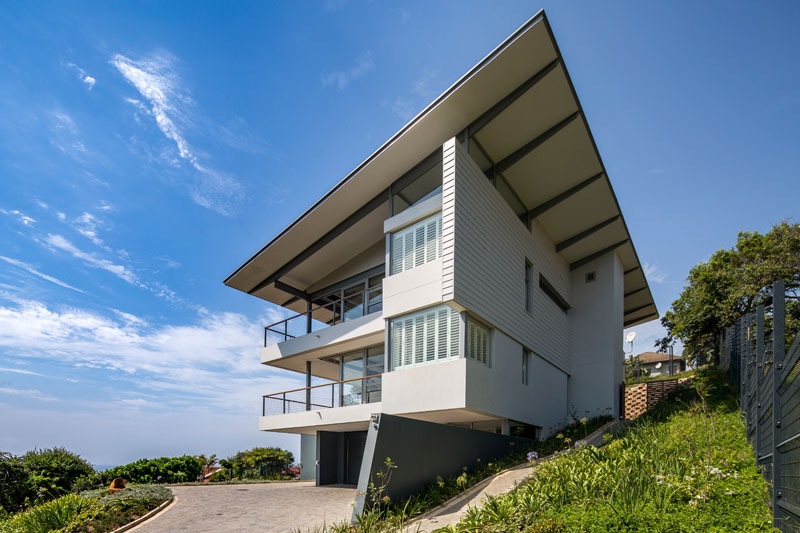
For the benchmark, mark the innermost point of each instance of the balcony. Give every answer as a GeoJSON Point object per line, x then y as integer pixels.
{"type": "Point", "coordinates": [353, 304]}
{"type": "Point", "coordinates": [345, 393]}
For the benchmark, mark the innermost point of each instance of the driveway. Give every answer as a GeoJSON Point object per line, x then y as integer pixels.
{"type": "Point", "coordinates": [262, 507]}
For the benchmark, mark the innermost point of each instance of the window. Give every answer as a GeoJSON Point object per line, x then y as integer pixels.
{"type": "Point", "coordinates": [417, 244]}
{"type": "Point", "coordinates": [426, 180]}
{"type": "Point", "coordinates": [526, 357]}
{"type": "Point", "coordinates": [425, 337]}
{"type": "Point", "coordinates": [478, 342]}
{"type": "Point", "coordinates": [528, 275]}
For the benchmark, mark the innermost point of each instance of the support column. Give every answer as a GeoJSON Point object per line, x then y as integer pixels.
{"type": "Point", "coordinates": [308, 316]}
{"type": "Point", "coordinates": [505, 427]}
{"type": "Point", "coordinates": [778, 354]}
{"type": "Point", "coordinates": [308, 384]}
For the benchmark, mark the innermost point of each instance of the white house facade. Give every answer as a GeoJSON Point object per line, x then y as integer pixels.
{"type": "Point", "coordinates": [475, 272]}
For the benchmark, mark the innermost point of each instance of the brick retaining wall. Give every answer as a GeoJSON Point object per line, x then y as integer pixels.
{"type": "Point", "coordinates": [642, 397]}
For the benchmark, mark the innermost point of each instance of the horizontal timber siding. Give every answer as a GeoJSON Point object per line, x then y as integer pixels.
{"type": "Point", "coordinates": [485, 249]}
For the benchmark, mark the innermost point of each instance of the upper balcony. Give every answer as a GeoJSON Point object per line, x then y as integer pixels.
{"type": "Point", "coordinates": [351, 304]}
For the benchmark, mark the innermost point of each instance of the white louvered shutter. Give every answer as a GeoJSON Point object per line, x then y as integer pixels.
{"type": "Point", "coordinates": [425, 337]}
{"type": "Point", "coordinates": [417, 244]}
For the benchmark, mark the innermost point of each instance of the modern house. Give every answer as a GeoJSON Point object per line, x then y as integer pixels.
{"type": "Point", "coordinates": [657, 364]}
{"type": "Point", "coordinates": [473, 276]}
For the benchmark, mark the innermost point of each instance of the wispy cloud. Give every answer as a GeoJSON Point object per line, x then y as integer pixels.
{"type": "Point", "coordinates": [157, 82]}
{"type": "Point", "coordinates": [343, 78]}
{"type": "Point", "coordinates": [31, 270]}
{"type": "Point", "coordinates": [90, 259]}
{"type": "Point", "coordinates": [83, 76]}
{"type": "Point", "coordinates": [29, 393]}
{"type": "Point", "coordinates": [20, 371]}
{"type": "Point", "coordinates": [423, 90]}
{"type": "Point", "coordinates": [655, 274]}
{"type": "Point", "coordinates": [22, 217]}
{"type": "Point", "coordinates": [213, 358]}
{"type": "Point", "coordinates": [87, 225]}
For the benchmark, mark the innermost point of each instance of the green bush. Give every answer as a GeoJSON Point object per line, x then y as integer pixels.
{"type": "Point", "coordinates": [16, 486]}
{"type": "Point", "coordinates": [220, 475]}
{"type": "Point", "coordinates": [55, 470]}
{"type": "Point", "coordinates": [49, 516]}
{"type": "Point", "coordinates": [259, 463]}
{"type": "Point", "coordinates": [162, 470]}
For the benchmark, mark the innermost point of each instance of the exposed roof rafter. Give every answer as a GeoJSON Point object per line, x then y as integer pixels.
{"type": "Point", "coordinates": [580, 262]}
{"type": "Point", "coordinates": [629, 311]}
{"type": "Point", "coordinates": [635, 320]}
{"type": "Point", "coordinates": [566, 243]}
{"type": "Point", "coordinates": [554, 201]}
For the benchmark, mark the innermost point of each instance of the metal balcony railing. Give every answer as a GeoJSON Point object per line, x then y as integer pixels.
{"type": "Point", "coordinates": [327, 396]}
{"type": "Point", "coordinates": [319, 317]}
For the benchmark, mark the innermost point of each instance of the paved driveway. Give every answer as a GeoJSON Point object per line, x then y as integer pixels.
{"type": "Point", "coordinates": [263, 507]}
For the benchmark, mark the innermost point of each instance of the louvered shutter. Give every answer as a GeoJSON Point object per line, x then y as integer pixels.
{"type": "Point", "coordinates": [417, 244]}
{"type": "Point", "coordinates": [425, 337]}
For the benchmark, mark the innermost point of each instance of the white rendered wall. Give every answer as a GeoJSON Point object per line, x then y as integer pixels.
{"type": "Point", "coordinates": [498, 389]}
{"type": "Point", "coordinates": [413, 289]}
{"type": "Point", "coordinates": [596, 343]}
{"type": "Point", "coordinates": [484, 248]}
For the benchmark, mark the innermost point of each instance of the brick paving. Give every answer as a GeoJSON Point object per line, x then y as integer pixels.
{"type": "Point", "coordinates": [262, 507]}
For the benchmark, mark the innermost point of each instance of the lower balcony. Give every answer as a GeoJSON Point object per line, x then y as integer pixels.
{"type": "Point", "coordinates": [345, 393]}
{"type": "Point", "coordinates": [339, 406]}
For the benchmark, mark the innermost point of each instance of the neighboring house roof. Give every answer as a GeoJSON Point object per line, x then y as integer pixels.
{"type": "Point", "coordinates": [520, 105]}
{"type": "Point", "coordinates": [654, 357]}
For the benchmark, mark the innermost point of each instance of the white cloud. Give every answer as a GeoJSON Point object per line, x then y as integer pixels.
{"type": "Point", "coordinates": [87, 224]}
{"type": "Point", "coordinates": [83, 76]}
{"type": "Point", "coordinates": [92, 260]}
{"type": "Point", "coordinates": [30, 269]}
{"type": "Point", "coordinates": [343, 78]}
{"type": "Point", "coordinates": [655, 274]}
{"type": "Point", "coordinates": [29, 393]}
{"type": "Point", "coordinates": [20, 371]}
{"type": "Point", "coordinates": [214, 359]}
{"type": "Point", "coordinates": [157, 81]}
{"type": "Point", "coordinates": [423, 90]}
{"type": "Point", "coordinates": [22, 217]}
{"type": "Point", "coordinates": [61, 216]}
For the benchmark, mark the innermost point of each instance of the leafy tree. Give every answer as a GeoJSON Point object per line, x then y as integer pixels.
{"type": "Point", "coordinates": [55, 470]}
{"type": "Point", "coordinates": [16, 487]}
{"type": "Point", "coordinates": [206, 463]}
{"type": "Point", "coordinates": [729, 285]}
{"type": "Point", "coordinates": [259, 463]}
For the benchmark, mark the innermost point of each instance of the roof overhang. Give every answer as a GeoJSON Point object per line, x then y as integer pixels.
{"type": "Point", "coordinates": [519, 107]}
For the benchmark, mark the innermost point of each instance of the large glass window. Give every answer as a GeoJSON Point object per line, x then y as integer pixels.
{"type": "Point", "coordinates": [477, 342]}
{"type": "Point", "coordinates": [425, 337]}
{"type": "Point", "coordinates": [357, 365]}
{"type": "Point", "coordinates": [417, 244]}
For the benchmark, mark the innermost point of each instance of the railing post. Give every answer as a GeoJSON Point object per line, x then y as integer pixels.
{"type": "Point", "coordinates": [333, 391]}
{"type": "Point", "coordinates": [265, 336]}
{"type": "Point", "coordinates": [284, 403]}
{"type": "Point", "coordinates": [778, 354]}
{"type": "Point", "coordinates": [308, 385]}
{"type": "Point", "coordinates": [285, 330]}
{"type": "Point", "coordinates": [308, 318]}
{"type": "Point", "coordinates": [759, 370]}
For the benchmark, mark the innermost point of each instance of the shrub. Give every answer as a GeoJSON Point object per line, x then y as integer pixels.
{"type": "Point", "coordinates": [161, 470]}
{"type": "Point", "coordinates": [55, 470]}
{"type": "Point", "coordinates": [220, 475]}
{"type": "Point", "coordinates": [259, 463]}
{"type": "Point", "coordinates": [16, 486]}
{"type": "Point", "coordinates": [50, 516]}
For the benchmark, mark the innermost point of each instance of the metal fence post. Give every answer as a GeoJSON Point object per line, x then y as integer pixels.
{"type": "Point", "coordinates": [759, 369]}
{"type": "Point", "coordinates": [778, 354]}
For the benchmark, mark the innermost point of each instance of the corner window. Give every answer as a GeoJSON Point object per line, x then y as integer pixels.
{"type": "Point", "coordinates": [477, 342]}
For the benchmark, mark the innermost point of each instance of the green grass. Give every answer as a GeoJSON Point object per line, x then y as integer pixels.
{"type": "Point", "coordinates": [93, 511]}
{"type": "Point", "coordinates": [684, 467]}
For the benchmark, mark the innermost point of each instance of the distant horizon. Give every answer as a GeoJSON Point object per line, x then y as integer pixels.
{"type": "Point", "coordinates": [150, 149]}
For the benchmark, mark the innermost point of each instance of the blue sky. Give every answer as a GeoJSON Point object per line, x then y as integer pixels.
{"type": "Point", "coordinates": [147, 149]}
